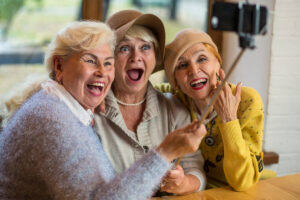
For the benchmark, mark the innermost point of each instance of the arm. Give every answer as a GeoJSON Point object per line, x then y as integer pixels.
{"type": "Point", "coordinates": [73, 164]}
{"type": "Point", "coordinates": [242, 140]}
{"type": "Point", "coordinates": [69, 159]}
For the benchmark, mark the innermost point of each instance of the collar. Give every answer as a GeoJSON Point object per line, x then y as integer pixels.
{"type": "Point", "coordinates": [152, 103]}
{"type": "Point", "coordinates": [53, 88]}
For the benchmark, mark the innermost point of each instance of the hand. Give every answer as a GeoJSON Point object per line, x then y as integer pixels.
{"type": "Point", "coordinates": [182, 141]}
{"type": "Point", "coordinates": [173, 180]}
{"type": "Point", "coordinates": [227, 103]}
{"type": "Point", "coordinates": [178, 183]}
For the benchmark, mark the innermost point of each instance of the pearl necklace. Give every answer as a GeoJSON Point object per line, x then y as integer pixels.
{"type": "Point", "coordinates": [130, 104]}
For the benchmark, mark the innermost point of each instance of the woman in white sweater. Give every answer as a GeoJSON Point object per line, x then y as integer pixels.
{"type": "Point", "coordinates": [49, 150]}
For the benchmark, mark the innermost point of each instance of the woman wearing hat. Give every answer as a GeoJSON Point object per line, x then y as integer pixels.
{"type": "Point", "coordinates": [49, 150]}
{"type": "Point", "coordinates": [232, 148]}
{"type": "Point", "coordinates": [138, 117]}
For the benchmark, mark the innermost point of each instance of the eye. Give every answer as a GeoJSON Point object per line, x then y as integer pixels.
{"type": "Point", "coordinates": [124, 48]}
{"type": "Point", "coordinates": [88, 59]}
{"type": "Point", "coordinates": [201, 59]}
{"type": "Point", "coordinates": [108, 64]}
{"type": "Point", "coordinates": [146, 47]}
{"type": "Point", "coordinates": [91, 61]}
{"type": "Point", "coordinates": [182, 65]}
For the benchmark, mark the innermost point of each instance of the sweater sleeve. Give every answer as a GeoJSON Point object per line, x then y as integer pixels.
{"type": "Point", "coordinates": [138, 182]}
{"type": "Point", "coordinates": [69, 159]}
{"type": "Point", "coordinates": [242, 140]}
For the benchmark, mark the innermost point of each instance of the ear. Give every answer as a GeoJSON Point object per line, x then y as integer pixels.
{"type": "Point", "coordinates": [57, 68]}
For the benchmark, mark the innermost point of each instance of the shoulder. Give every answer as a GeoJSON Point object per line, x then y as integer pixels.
{"type": "Point", "coordinates": [251, 97]}
{"type": "Point", "coordinates": [42, 106]}
{"type": "Point", "coordinates": [43, 113]}
{"type": "Point", "coordinates": [172, 107]}
{"type": "Point", "coordinates": [169, 100]}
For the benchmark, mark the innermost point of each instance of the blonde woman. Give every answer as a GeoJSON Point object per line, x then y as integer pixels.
{"type": "Point", "coordinates": [49, 150]}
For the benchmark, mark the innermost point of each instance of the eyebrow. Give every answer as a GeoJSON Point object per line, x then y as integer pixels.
{"type": "Point", "coordinates": [96, 58]}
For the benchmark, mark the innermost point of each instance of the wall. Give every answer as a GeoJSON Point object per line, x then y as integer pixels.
{"type": "Point", "coordinates": [282, 131]}
{"type": "Point", "coordinates": [273, 70]}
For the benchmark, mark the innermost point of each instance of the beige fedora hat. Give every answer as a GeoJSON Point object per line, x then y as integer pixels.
{"type": "Point", "coordinates": [122, 21]}
{"type": "Point", "coordinates": [182, 41]}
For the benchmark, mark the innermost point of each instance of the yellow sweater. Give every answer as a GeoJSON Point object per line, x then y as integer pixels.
{"type": "Point", "coordinates": [232, 151]}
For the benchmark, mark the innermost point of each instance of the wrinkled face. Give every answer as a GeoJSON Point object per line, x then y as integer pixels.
{"type": "Point", "coordinates": [87, 75]}
{"type": "Point", "coordinates": [135, 61]}
{"type": "Point", "coordinates": [196, 70]}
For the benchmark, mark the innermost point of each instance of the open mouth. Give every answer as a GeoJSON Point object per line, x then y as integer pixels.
{"type": "Point", "coordinates": [198, 83]}
{"type": "Point", "coordinates": [135, 74]}
{"type": "Point", "coordinates": [96, 88]}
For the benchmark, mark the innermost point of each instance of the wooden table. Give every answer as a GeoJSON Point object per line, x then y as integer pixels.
{"type": "Point", "coordinates": [283, 188]}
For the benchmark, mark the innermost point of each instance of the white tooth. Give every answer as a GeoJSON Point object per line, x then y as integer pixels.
{"type": "Point", "coordinates": [98, 84]}
{"type": "Point", "coordinates": [199, 81]}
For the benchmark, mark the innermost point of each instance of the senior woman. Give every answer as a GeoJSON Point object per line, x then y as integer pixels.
{"type": "Point", "coordinates": [137, 116]}
{"type": "Point", "coordinates": [232, 148]}
{"type": "Point", "coordinates": [49, 150]}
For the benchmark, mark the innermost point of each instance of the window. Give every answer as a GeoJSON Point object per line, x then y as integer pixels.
{"type": "Point", "coordinates": [26, 28]}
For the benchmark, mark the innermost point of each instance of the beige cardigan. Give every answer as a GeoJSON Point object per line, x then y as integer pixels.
{"type": "Point", "coordinates": [163, 114]}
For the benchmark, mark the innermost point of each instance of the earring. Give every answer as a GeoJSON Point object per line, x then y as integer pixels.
{"type": "Point", "coordinates": [59, 79]}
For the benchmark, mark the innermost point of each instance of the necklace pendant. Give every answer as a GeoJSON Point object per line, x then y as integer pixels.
{"type": "Point", "coordinates": [209, 140]}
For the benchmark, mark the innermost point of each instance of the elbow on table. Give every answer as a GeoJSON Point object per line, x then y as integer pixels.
{"type": "Point", "coordinates": [243, 185]}
{"type": "Point", "coordinates": [241, 188]}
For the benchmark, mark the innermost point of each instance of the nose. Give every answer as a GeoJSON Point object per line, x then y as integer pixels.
{"type": "Point", "coordinates": [193, 68]}
{"type": "Point", "coordinates": [100, 72]}
{"type": "Point", "coordinates": [135, 56]}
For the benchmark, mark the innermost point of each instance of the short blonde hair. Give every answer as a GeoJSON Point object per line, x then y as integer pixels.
{"type": "Point", "coordinates": [147, 35]}
{"type": "Point", "coordinates": [76, 37]}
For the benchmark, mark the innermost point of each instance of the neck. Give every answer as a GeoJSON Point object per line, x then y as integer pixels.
{"type": "Point", "coordinates": [127, 97]}
{"type": "Point", "coordinates": [201, 105]}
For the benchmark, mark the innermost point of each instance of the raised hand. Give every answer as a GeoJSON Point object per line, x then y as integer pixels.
{"type": "Point", "coordinates": [227, 103]}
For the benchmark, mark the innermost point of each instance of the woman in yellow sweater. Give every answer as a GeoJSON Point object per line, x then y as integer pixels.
{"type": "Point", "coordinates": [232, 148]}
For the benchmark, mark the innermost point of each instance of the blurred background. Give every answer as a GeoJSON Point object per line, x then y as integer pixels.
{"type": "Point", "coordinates": [27, 26]}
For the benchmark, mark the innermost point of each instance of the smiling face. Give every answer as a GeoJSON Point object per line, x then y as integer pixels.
{"type": "Point", "coordinates": [87, 75]}
{"type": "Point", "coordinates": [135, 61]}
{"type": "Point", "coordinates": [196, 70]}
